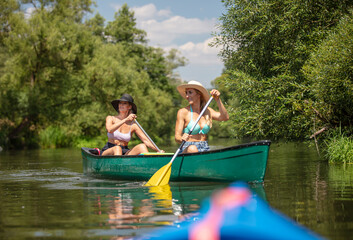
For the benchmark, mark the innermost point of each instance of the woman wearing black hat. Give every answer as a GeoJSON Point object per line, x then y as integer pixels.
{"type": "Point", "coordinates": [121, 127]}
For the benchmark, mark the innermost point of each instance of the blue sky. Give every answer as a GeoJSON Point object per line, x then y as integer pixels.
{"type": "Point", "coordinates": [186, 25]}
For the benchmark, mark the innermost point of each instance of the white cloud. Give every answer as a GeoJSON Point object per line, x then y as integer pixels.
{"type": "Point", "coordinates": [150, 11]}
{"type": "Point", "coordinates": [176, 27]}
{"type": "Point", "coordinates": [201, 53]}
{"type": "Point", "coordinates": [168, 31]}
{"type": "Point", "coordinates": [146, 12]}
{"type": "Point", "coordinates": [163, 28]}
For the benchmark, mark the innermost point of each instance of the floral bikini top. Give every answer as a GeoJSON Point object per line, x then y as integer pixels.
{"type": "Point", "coordinates": [197, 129]}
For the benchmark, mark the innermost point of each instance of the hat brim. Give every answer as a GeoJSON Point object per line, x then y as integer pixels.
{"type": "Point", "coordinates": [181, 89]}
{"type": "Point", "coordinates": [115, 104]}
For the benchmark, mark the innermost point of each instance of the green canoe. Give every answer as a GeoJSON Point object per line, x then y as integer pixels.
{"type": "Point", "coordinates": [245, 162]}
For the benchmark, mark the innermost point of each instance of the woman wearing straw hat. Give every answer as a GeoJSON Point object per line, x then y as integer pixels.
{"type": "Point", "coordinates": [197, 97]}
{"type": "Point", "coordinates": [121, 127]}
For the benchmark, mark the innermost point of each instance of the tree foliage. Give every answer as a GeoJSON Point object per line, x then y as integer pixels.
{"type": "Point", "coordinates": [123, 28]}
{"type": "Point", "coordinates": [265, 46]}
{"type": "Point", "coordinates": [330, 75]}
{"type": "Point", "coordinates": [59, 73]}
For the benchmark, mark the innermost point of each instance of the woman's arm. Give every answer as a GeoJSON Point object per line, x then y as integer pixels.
{"type": "Point", "coordinates": [144, 138]}
{"type": "Point", "coordinates": [222, 115]}
{"type": "Point", "coordinates": [112, 126]}
{"type": "Point", "coordinates": [179, 126]}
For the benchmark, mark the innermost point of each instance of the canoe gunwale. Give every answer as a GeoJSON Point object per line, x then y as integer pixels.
{"type": "Point", "coordinates": [245, 145]}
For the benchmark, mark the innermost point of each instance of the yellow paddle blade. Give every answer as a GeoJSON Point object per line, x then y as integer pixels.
{"type": "Point", "coordinates": [161, 177]}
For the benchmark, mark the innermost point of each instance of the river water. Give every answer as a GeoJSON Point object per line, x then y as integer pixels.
{"type": "Point", "coordinates": [44, 195]}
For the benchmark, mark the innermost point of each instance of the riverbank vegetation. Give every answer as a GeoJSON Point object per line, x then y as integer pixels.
{"type": "Point", "coordinates": [288, 72]}
{"type": "Point", "coordinates": [289, 65]}
{"type": "Point", "coordinates": [339, 147]}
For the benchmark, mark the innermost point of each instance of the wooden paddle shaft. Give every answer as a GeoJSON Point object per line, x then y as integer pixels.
{"type": "Point", "coordinates": [147, 135]}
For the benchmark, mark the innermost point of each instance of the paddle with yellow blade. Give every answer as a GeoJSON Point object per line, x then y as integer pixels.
{"type": "Point", "coordinates": [147, 135]}
{"type": "Point", "coordinates": [161, 177]}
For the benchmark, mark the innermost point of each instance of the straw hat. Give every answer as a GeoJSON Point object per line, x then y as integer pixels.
{"type": "Point", "coordinates": [196, 85]}
{"type": "Point", "coordinates": [125, 98]}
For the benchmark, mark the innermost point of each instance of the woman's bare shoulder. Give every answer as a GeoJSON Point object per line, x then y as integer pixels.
{"type": "Point", "coordinates": [182, 112]}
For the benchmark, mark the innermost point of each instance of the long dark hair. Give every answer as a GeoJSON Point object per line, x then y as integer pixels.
{"type": "Point", "coordinates": [207, 114]}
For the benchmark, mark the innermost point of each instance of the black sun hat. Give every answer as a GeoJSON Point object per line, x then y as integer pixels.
{"type": "Point", "coordinates": [125, 98]}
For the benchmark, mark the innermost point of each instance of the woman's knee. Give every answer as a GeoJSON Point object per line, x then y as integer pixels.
{"type": "Point", "coordinates": [142, 147]}
{"type": "Point", "coordinates": [138, 149]}
{"type": "Point", "coordinates": [117, 150]}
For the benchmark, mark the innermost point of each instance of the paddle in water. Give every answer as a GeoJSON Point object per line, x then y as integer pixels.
{"type": "Point", "coordinates": [161, 177]}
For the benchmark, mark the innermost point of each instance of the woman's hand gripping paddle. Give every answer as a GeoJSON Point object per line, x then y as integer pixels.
{"type": "Point", "coordinates": [162, 176]}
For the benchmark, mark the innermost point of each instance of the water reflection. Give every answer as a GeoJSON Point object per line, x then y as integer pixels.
{"type": "Point", "coordinates": [309, 190]}
{"type": "Point", "coordinates": [123, 205]}
{"type": "Point", "coordinates": [44, 194]}
{"type": "Point", "coordinates": [122, 215]}
{"type": "Point", "coordinates": [164, 199]}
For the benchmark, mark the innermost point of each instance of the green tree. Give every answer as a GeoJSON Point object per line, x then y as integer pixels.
{"type": "Point", "coordinates": [96, 25]}
{"type": "Point", "coordinates": [7, 7]}
{"type": "Point", "coordinates": [59, 74]}
{"type": "Point", "coordinates": [153, 79]}
{"type": "Point", "coordinates": [330, 76]}
{"type": "Point", "coordinates": [46, 50]}
{"type": "Point", "coordinates": [175, 60]}
{"type": "Point", "coordinates": [123, 28]}
{"type": "Point", "coordinates": [266, 44]}
{"type": "Point", "coordinates": [149, 59]}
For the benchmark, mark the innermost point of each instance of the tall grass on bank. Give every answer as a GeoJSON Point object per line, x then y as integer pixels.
{"type": "Point", "coordinates": [54, 137]}
{"type": "Point", "coordinates": [339, 148]}
{"type": "Point", "coordinates": [57, 137]}
{"type": "Point", "coordinates": [97, 142]}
